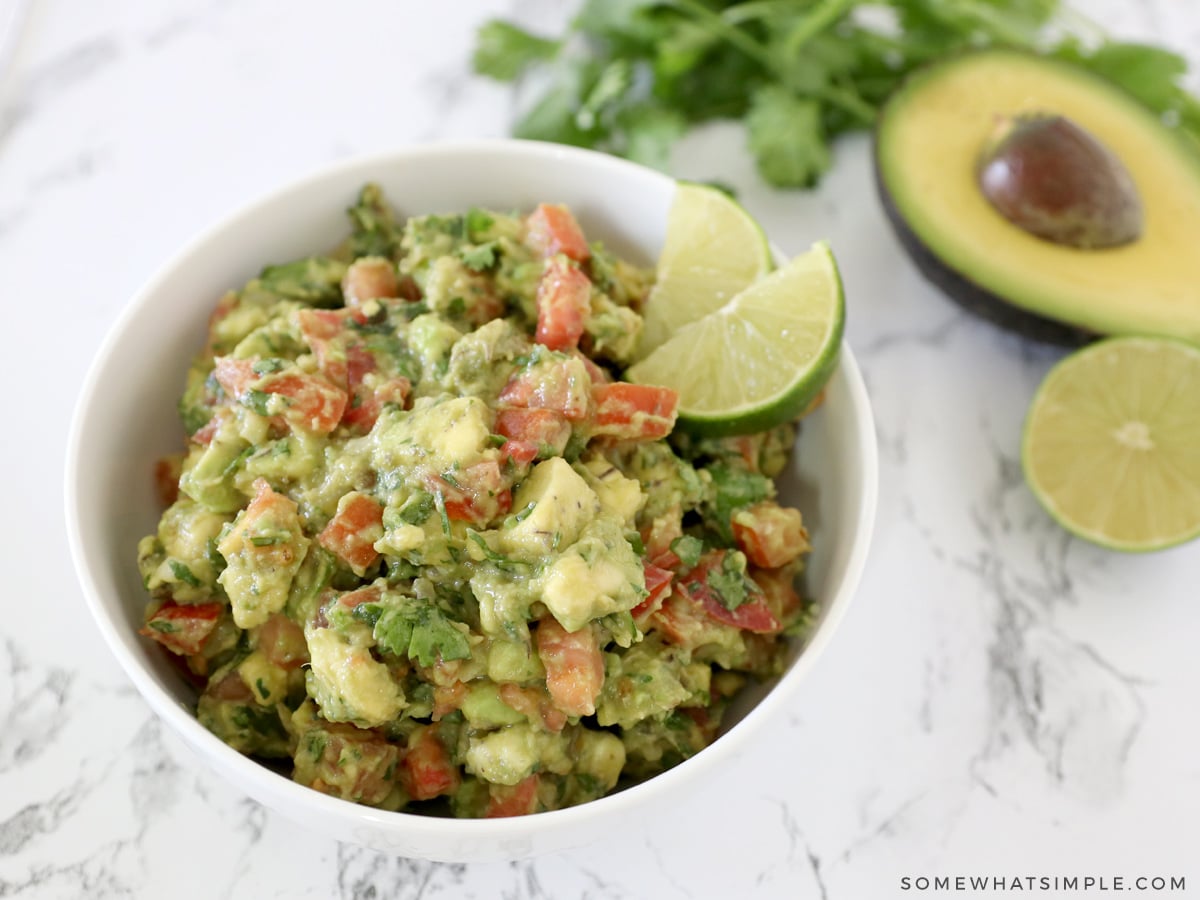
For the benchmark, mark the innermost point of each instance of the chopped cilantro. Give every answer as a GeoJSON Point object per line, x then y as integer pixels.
{"type": "Point", "coordinates": [420, 631]}
{"type": "Point", "coordinates": [689, 550]}
{"type": "Point", "coordinates": [479, 257]}
{"type": "Point", "coordinates": [183, 573]}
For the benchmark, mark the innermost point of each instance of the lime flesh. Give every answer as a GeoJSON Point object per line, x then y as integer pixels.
{"type": "Point", "coordinates": [1112, 443]}
{"type": "Point", "coordinates": [760, 360]}
{"type": "Point", "coordinates": [713, 250]}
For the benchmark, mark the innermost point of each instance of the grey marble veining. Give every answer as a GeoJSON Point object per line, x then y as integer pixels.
{"type": "Point", "coordinates": [1001, 699]}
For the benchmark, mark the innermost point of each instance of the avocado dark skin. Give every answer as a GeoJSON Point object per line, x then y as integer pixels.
{"type": "Point", "coordinates": [971, 296]}
{"type": "Point", "coordinates": [1042, 197]}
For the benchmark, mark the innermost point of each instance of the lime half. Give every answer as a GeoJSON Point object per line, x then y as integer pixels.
{"type": "Point", "coordinates": [713, 250]}
{"type": "Point", "coordinates": [760, 360]}
{"type": "Point", "coordinates": [1112, 443]}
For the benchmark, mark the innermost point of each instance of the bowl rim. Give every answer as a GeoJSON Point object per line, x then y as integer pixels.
{"type": "Point", "coordinates": [260, 781]}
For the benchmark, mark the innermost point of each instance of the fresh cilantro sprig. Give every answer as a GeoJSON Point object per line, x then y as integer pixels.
{"type": "Point", "coordinates": [632, 76]}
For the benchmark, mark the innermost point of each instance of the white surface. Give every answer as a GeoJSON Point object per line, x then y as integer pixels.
{"type": "Point", "coordinates": [127, 419]}
{"type": "Point", "coordinates": [1001, 699]}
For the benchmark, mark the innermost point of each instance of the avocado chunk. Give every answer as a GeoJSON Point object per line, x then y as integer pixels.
{"type": "Point", "coordinates": [1136, 271]}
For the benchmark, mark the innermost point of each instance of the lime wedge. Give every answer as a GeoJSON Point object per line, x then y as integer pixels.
{"type": "Point", "coordinates": [760, 360]}
{"type": "Point", "coordinates": [1112, 443]}
{"type": "Point", "coordinates": [713, 250]}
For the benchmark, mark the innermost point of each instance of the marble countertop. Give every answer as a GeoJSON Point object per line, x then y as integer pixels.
{"type": "Point", "coordinates": [1001, 700]}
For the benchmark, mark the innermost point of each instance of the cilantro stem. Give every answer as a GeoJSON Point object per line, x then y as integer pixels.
{"type": "Point", "coordinates": [731, 33]}
{"type": "Point", "coordinates": [823, 15]}
{"type": "Point", "coordinates": [849, 102]}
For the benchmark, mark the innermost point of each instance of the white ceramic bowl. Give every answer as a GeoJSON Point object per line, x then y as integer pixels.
{"type": "Point", "coordinates": [126, 419]}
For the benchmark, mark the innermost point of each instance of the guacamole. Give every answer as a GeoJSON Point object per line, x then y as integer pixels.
{"type": "Point", "coordinates": [426, 549]}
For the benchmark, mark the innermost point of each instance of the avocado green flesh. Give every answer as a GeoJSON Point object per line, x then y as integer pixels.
{"type": "Point", "coordinates": [927, 151]}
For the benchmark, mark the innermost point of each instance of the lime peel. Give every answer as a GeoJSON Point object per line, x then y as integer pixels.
{"type": "Point", "coordinates": [1111, 446]}
{"type": "Point", "coordinates": [762, 359]}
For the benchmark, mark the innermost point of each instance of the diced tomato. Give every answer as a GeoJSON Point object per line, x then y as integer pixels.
{"type": "Point", "coordinates": [355, 764]}
{"type": "Point", "coordinates": [314, 404]}
{"type": "Point", "coordinates": [769, 534]}
{"type": "Point", "coordinates": [351, 534]}
{"type": "Point", "coordinates": [231, 687]}
{"type": "Point", "coordinates": [234, 375]}
{"type": "Point", "coordinates": [779, 592]}
{"type": "Point", "coordinates": [370, 278]}
{"type": "Point", "coordinates": [660, 533]}
{"type": "Point", "coordinates": [553, 229]}
{"type": "Point", "coordinates": [634, 412]}
{"type": "Point", "coordinates": [166, 478]}
{"type": "Point", "coordinates": [563, 300]}
{"type": "Point", "coordinates": [269, 507]}
{"type": "Point", "coordinates": [476, 494]}
{"type": "Point", "coordinates": [425, 769]}
{"type": "Point", "coordinates": [324, 332]}
{"type": "Point", "coordinates": [753, 615]}
{"type": "Point", "coordinates": [447, 698]}
{"type": "Point", "coordinates": [367, 404]}
{"type": "Point", "coordinates": [206, 432]}
{"type": "Point", "coordinates": [535, 426]}
{"type": "Point", "coordinates": [658, 583]}
{"type": "Point", "coordinates": [551, 386]}
{"type": "Point", "coordinates": [535, 704]}
{"type": "Point", "coordinates": [520, 452]}
{"type": "Point", "coordinates": [574, 666]}
{"type": "Point", "coordinates": [519, 800]}
{"type": "Point", "coordinates": [282, 640]}
{"type": "Point", "coordinates": [182, 627]}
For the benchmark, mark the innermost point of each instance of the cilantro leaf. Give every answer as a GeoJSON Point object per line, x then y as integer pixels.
{"type": "Point", "coordinates": [420, 631]}
{"type": "Point", "coordinates": [503, 50]}
{"type": "Point", "coordinates": [479, 257]}
{"type": "Point", "coordinates": [799, 73]}
{"type": "Point", "coordinates": [730, 583]}
{"type": "Point", "coordinates": [734, 487]}
{"type": "Point", "coordinates": [315, 280]}
{"type": "Point", "coordinates": [786, 137]}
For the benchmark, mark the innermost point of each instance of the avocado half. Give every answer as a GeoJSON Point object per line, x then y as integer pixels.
{"type": "Point", "coordinates": [928, 144]}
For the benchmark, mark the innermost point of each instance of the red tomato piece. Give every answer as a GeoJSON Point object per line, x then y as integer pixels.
{"type": "Point", "coordinates": [519, 800]}
{"type": "Point", "coordinates": [366, 405]}
{"type": "Point", "coordinates": [282, 640]}
{"type": "Point", "coordinates": [476, 494]}
{"type": "Point", "coordinates": [313, 403]}
{"type": "Point", "coordinates": [520, 452]}
{"type": "Point", "coordinates": [779, 592]}
{"type": "Point", "coordinates": [769, 534]}
{"type": "Point", "coordinates": [535, 704]}
{"type": "Point", "coordinates": [574, 666]}
{"type": "Point", "coordinates": [234, 375]}
{"type": "Point", "coordinates": [182, 627]}
{"type": "Point", "coordinates": [351, 534]}
{"type": "Point", "coordinates": [535, 426]}
{"type": "Point", "coordinates": [563, 300]}
{"type": "Point", "coordinates": [754, 615]}
{"type": "Point", "coordinates": [550, 386]}
{"type": "Point", "coordinates": [553, 229]}
{"type": "Point", "coordinates": [371, 278]}
{"type": "Point", "coordinates": [634, 412]}
{"type": "Point", "coordinates": [658, 583]}
{"type": "Point", "coordinates": [425, 769]}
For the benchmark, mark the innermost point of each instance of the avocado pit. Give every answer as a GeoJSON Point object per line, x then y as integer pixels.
{"type": "Point", "coordinates": [1056, 181]}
